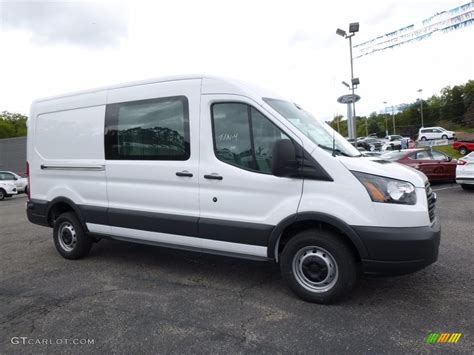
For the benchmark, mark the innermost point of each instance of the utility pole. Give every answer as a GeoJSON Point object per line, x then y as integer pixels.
{"type": "Point", "coordinates": [393, 118]}
{"type": "Point", "coordinates": [421, 107]}
{"type": "Point", "coordinates": [393, 121]}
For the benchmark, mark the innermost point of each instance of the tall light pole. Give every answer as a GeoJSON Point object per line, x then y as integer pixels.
{"type": "Point", "coordinates": [393, 117]}
{"type": "Point", "coordinates": [353, 28]}
{"type": "Point", "coordinates": [421, 107]}
{"type": "Point", "coordinates": [386, 125]}
{"type": "Point", "coordinates": [393, 121]}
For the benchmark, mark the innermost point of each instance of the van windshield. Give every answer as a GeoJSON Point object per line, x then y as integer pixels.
{"type": "Point", "coordinates": [320, 133]}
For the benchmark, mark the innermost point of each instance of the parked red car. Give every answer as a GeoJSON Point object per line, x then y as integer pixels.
{"type": "Point", "coordinates": [435, 165]}
{"type": "Point", "coordinates": [464, 147]}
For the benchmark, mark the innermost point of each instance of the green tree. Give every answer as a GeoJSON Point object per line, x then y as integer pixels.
{"type": "Point", "coordinates": [468, 119]}
{"type": "Point", "coordinates": [12, 124]}
{"type": "Point", "coordinates": [453, 104]}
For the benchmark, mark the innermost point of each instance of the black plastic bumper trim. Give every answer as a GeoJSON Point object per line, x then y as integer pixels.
{"type": "Point", "coordinates": [395, 250]}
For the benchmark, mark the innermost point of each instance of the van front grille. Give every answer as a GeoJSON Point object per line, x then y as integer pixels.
{"type": "Point", "coordinates": [431, 197]}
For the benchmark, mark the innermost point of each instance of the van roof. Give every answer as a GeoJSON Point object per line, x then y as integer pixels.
{"type": "Point", "coordinates": [224, 83]}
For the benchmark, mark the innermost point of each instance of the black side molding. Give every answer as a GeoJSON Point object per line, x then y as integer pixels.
{"type": "Point", "coordinates": [153, 222]}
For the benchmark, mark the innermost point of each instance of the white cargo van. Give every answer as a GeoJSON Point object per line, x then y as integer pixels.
{"type": "Point", "coordinates": [218, 166]}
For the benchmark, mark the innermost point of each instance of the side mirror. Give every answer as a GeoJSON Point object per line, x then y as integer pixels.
{"type": "Point", "coordinates": [15, 178]}
{"type": "Point", "coordinates": [449, 158]}
{"type": "Point", "coordinates": [283, 158]}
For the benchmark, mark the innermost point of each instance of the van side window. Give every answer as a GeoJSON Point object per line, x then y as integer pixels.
{"type": "Point", "coordinates": [156, 129]}
{"type": "Point", "coordinates": [244, 137]}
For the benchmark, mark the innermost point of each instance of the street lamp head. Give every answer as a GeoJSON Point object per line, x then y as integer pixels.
{"type": "Point", "coordinates": [346, 84]}
{"type": "Point", "coordinates": [385, 102]}
{"type": "Point", "coordinates": [340, 32]}
{"type": "Point", "coordinates": [355, 81]}
{"type": "Point", "coordinates": [420, 90]}
{"type": "Point", "coordinates": [354, 27]}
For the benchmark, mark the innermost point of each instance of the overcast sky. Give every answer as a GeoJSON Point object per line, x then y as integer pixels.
{"type": "Point", "coordinates": [290, 47]}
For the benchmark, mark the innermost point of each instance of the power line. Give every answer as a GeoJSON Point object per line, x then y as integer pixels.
{"type": "Point", "coordinates": [443, 22]}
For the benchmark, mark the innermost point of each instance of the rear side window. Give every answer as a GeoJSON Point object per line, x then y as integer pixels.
{"type": "Point", "coordinates": [6, 176]}
{"type": "Point", "coordinates": [156, 129]}
{"type": "Point", "coordinates": [243, 137]}
{"type": "Point", "coordinates": [424, 155]}
{"type": "Point", "coordinates": [438, 156]}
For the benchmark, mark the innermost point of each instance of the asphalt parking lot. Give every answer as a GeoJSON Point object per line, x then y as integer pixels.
{"type": "Point", "coordinates": [130, 298]}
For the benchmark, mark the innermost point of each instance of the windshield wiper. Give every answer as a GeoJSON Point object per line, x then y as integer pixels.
{"type": "Point", "coordinates": [333, 150]}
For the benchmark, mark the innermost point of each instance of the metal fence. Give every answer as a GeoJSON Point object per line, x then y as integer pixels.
{"type": "Point", "coordinates": [13, 154]}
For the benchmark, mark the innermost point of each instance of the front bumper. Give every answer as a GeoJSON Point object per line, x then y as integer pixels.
{"type": "Point", "coordinates": [399, 251]}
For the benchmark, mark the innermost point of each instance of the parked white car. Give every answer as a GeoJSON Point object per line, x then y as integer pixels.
{"type": "Point", "coordinates": [428, 133]}
{"type": "Point", "coordinates": [220, 166]}
{"type": "Point", "coordinates": [21, 183]}
{"type": "Point", "coordinates": [465, 172]}
{"type": "Point", "coordinates": [394, 142]}
{"type": "Point", "coordinates": [7, 189]}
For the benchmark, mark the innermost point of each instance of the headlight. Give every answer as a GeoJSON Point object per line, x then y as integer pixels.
{"type": "Point", "coordinates": [384, 189]}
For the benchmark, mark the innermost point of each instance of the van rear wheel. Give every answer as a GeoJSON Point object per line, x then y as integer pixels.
{"type": "Point", "coordinates": [318, 267]}
{"type": "Point", "coordinates": [69, 237]}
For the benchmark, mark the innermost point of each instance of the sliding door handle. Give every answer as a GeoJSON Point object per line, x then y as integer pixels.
{"type": "Point", "coordinates": [213, 177]}
{"type": "Point", "coordinates": [184, 173]}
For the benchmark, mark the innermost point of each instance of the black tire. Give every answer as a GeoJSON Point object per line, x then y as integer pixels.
{"type": "Point", "coordinates": [73, 242]}
{"type": "Point", "coordinates": [467, 187]}
{"type": "Point", "coordinates": [463, 151]}
{"type": "Point", "coordinates": [320, 249]}
{"type": "Point", "coordinates": [26, 190]}
{"type": "Point", "coordinates": [2, 194]}
{"type": "Point", "coordinates": [423, 139]}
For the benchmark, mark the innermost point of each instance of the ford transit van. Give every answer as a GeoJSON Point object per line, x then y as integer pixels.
{"type": "Point", "coordinates": [219, 166]}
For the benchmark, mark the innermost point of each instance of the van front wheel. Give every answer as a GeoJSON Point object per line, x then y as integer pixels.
{"type": "Point", "coordinates": [318, 266]}
{"type": "Point", "coordinates": [69, 237]}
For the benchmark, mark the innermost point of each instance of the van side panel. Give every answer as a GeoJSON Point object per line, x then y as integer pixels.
{"type": "Point", "coordinates": [149, 192]}
{"type": "Point", "coordinates": [66, 151]}
{"type": "Point", "coordinates": [72, 130]}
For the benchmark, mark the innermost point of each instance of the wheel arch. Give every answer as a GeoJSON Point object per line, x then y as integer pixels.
{"type": "Point", "coordinates": [288, 227]}
{"type": "Point", "coordinates": [60, 205]}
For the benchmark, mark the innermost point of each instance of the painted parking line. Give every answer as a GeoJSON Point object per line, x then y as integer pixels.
{"type": "Point", "coordinates": [446, 188]}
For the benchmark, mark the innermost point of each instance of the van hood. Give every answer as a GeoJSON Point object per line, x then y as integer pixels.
{"type": "Point", "coordinates": [377, 166]}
